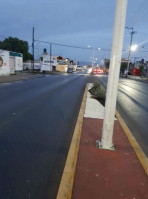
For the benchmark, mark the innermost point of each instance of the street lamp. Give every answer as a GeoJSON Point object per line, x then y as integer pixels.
{"type": "Point", "coordinates": [93, 55]}
{"type": "Point", "coordinates": [132, 48]}
{"type": "Point", "coordinates": [50, 54]}
{"type": "Point", "coordinates": [95, 60]}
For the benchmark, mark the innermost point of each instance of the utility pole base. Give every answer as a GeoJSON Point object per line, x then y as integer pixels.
{"type": "Point", "coordinates": [99, 146]}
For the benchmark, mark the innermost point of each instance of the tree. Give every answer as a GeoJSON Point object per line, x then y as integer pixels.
{"type": "Point", "coordinates": [142, 61]}
{"type": "Point", "coordinates": [141, 67]}
{"type": "Point", "coordinates": [123, 66]}
{"type": "Point", "coordinates": [107, 63]}
{"type": "Point", "coordinates": [16, 45]}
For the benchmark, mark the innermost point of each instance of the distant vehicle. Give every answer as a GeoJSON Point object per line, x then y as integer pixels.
{"type": "Point", "coordinates": [70, 70]}
{"type": "Point", "coordinates": [80, 68]}
{"type": "Point", "coordinates": [97, 71]}
{"type": "Point", "coordinates": [89, 70]}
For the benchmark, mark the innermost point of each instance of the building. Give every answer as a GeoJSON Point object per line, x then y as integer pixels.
{"type": "Point", "coordinates": [54, 63]}
{"type": "Point", "coordinates": [48, 63]}
{"type": "Point", "coordinates": [10, 62]}
{"type": "Point", "coordinates": [62, 64]}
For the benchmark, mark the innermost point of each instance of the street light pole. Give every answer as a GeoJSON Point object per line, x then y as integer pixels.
{"type": "Point", "coordinates": [38, 49]}
{"type": "Point", "coordinates": [33, 48]}
{"type": "Point", "coordinates": [131, 40]}
{"type": "Point", "coordinates": [93, 57]}
{"type": "Point", "coordinates": [113, 79]}
{"type": "Point", "coordinates": [50, 53]}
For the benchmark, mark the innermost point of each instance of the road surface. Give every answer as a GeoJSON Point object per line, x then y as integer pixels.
{"type": "Point", "coordinates": [132, 105]}
{"type": "Point", "coordinates": [37, 120]}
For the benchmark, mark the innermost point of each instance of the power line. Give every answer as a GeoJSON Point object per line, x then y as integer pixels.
{"type": "Point", "coordinates": [139, 13]}
{"type": "Point", "coordinates": [33, 47]}
{"type": "Point", "coordinates": [71, 46]}
{"type": "Point", "coordinates": [145, 51]}
{"type": "Point", "coordinates": [65, 45]}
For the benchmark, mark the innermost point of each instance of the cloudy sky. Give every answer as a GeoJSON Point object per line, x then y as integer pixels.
{"type": "Point", "coordinates": [76, 23]}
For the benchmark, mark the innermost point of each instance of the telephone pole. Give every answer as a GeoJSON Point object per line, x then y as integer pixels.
{"type": "Point", "coordinates": [132, 32]}
{"type": "Point", "coordinates": [33, 49]}
{"type": "Point", "coordinates": [50, 54]}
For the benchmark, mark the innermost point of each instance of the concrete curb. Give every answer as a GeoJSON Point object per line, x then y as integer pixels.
{"type": "Point", "coordinates": [140, 154]}
{"type": "Point", "coordinates": [66, 184]}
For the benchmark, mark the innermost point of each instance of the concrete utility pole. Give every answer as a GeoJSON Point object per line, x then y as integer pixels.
{"type": "Point", "coordinates": [93, 54]}
{"type": "Point", "coordinates": [93, 57]}
{"type": "Point", "coordinates": [112, 86]}
{"type": "Point", "coordinates": [38, 49]}
{"type": "Point", "coordinates": [131, 40]}
{"type": "Point", "coordinates": [33, 48]}
{"type": "Point", "coordinates": [50, 53]}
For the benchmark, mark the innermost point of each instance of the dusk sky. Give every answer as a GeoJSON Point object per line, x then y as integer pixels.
{"type": "Point", "coordinates": [74, 22]}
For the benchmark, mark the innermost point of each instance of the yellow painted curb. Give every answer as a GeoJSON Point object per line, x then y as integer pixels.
{"type": "Point", "coordinates": [66, 184]}
{"type": "Point", "coordinates": [140, 154]}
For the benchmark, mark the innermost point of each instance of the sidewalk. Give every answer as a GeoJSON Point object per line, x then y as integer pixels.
{"type": "Point", "coordinates": [19, 76]}
{"type": "Point", "coordinates": [138, 78]}
{"type": "Point", "coordinates": [105, 174]}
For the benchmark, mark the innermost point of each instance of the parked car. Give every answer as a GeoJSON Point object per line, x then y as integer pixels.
{"type": "Point", "coordinates": [70, 70]}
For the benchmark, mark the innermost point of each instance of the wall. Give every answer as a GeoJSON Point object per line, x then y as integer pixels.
{"type": "Point", "coordinates": [46, 64]}
{"type": "Point", "coordinates": [18, 64]}
{"type": "Point", "coordinates": [4, 66]}
{"type": "Point", "coordinates": [28, 65]}
{"type": "Point", "coordinates": [62, 68]}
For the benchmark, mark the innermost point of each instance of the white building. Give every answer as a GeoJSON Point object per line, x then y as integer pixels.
{"type": "Point", "coordinates": [48, 63]}
{"type": "Point", "coordinates": [10, 62]}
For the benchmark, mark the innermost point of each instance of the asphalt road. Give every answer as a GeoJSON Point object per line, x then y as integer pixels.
{"type": "Point", "coordinates": [37, 120]}
{"type": "Point", "coordinates": [132, 104]}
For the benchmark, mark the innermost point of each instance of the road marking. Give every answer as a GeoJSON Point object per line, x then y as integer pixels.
{"type": "Point", "coordinates": [140, 154]}
{"type": "Point", "coordinates": [66, 184]}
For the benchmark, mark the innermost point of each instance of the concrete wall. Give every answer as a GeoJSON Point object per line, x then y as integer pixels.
{"type": "Point", "coordinates": [28, 65]}
{"type": "Point", "coordinates": [18, 64]}
{"type": "Point", "coordinates": [5, 57]}
{"type": "Point", "coordinates": [4, 66]}
{"type": "Point", "coordinates": [62, 68]}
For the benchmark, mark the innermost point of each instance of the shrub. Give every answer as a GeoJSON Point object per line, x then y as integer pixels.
{"type": "Point", "coordinates": [98, 92]}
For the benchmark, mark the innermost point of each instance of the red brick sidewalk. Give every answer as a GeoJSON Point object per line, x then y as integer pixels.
{"type": "Point", "coordinates": [104, 174]}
